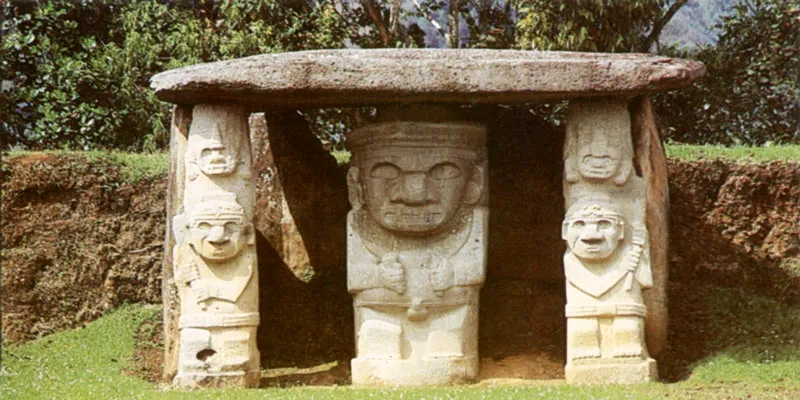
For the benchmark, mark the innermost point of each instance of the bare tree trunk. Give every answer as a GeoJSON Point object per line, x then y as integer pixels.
{"type": "Point", "coordinates": [452, 37]}
{"type": "Point", "coordinates": [660, 24]}
{"type": "Point", "coordinates": [394, 18]}
{"type": "Point", "coordinates": [374, 13]}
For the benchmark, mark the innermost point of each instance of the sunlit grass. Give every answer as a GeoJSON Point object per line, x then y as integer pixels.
{"type": "Point", "coordinates": [690, 152]}
{"type": "Point", "coordinates": [134, 166]}
{"type": "Point", "coordinates": [88, 364]}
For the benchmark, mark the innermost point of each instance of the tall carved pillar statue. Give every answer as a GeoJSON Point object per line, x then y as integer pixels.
{"type": "Point", "coordinates": [607, 263]}
{"type": "Point", "coordinates": [416, 251]}
{"type": "Point", "coordinates": [214, 264]}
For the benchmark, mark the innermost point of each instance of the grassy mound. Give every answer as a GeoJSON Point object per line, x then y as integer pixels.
{"type": "Point", "coordinates": [91, 363]}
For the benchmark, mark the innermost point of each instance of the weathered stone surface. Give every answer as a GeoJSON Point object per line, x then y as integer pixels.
{"type": "Point", "coordinates": [179, 131]}
{"type": "Point", "coordinates": [310, 316]}
{"type": "Point", "coordinates": [652, 163]}
{"type": "Point", "coordinates": [273, 216]}
{"type": "Point", "coordinates": [355, 77]}
{"type": "Point", "coordinates": [416, 251]}
{"type": "Point", "coordinates": [607, 264]}
{"type": "Point", "coordinates": [215, 268]}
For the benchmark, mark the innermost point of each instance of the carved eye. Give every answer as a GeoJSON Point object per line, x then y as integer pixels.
{"type": "Point", "coordinates": [578, 224]}
{"type": "Point", "coordinates": [445, 171]}
{"type": "Point", "coordinates": [231, 228]}
{"type": "Point", "coordinates": [203, 228]}
{"type": "Point", "coordinates": [385, 171]}
{"type": "Point", "coordinates": [604, 224]}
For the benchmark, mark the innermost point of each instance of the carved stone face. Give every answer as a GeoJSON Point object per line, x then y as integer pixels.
{"type": "Point", "coordinates": [414, 190]}
{"type": "Point", "coordinates": [593, 233]}
{"type": "Point", "coordinates": [598, 160]}
{"type": "Point", "coordinates": [216, 159]}
{"type": "Point", "coordinates": [218, 237]}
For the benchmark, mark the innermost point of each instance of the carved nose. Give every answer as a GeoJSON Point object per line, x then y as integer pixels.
{"type": "Point", "coordinates": [415, 189]}
{"type": "Point", "coordinates": [217, 235]}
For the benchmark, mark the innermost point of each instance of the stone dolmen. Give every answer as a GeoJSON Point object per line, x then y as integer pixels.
{"type": "Point", "coordinates": [418, 185]}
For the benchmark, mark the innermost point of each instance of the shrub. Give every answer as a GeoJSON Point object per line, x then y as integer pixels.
{"type": "Point", "coordinates": [751, 93]}
{"type": "Point", "coordinates": [78, 71]}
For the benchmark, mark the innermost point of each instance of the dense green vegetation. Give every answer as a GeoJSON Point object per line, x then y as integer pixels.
{"type": "Point", "coordinates": [751, 94]}
{"type": "Point", "coordinates": [75, 74]}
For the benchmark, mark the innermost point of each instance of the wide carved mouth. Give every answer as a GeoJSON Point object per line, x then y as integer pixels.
{"type": "Point", "coordinates": [430, 218]}
{"type": "Point", "coordinates": [597, 164]}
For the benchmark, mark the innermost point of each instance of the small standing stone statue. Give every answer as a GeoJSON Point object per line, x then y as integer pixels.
{"type": "Point", "coordinates": [416, 251]}
{"type": "Point", "coordinates": [607, 263]}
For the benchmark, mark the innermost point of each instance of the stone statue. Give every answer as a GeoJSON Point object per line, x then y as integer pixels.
{"type": "Point", "coordinates": [598, 143]}
{"type": "Point", "coordinates": [215, 267]}
{"type": "Point", "coordinates": [416, 251]}
{"type": "Point", "coordinates": [605, 278]}
{"type": "Point", "coordinates": [216, 273]}
{"type": "Point", "coordinates": [607, 263]}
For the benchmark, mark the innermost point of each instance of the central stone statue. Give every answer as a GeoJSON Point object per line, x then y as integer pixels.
{"type": "Point", "coordinates": [416, 250]}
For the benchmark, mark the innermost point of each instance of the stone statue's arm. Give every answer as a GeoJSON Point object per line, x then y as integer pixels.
{"type": "Point", "coordinates": [469, 273]}
{"type": "Point", "coordinates": [637, 260]}
{"type": "Point", "coordinates": [644, 275]}
{"type": "Point", "coordinates": [387, 273]}
{"type": "Point", "coordinates": [184, 271]}
{"type": "Point", "coordinates": [362, 275]}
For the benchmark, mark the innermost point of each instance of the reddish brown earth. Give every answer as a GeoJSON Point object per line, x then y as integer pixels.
{"type": "Point", "coordinates": [78, 240]}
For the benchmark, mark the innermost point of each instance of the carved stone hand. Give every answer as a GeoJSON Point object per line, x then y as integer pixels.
{"type": "Point", "coordinates": [393, 275]}
{"type": "Point", "coordinates": [442, 276]}
{"type": "Point", "coordinates": [187, 273]}
{"type": "Point", "coordinates": [201, 291]}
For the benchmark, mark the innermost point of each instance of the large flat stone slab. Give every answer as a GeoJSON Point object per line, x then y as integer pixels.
{"type": "Point", "coordinates": [356, 77]}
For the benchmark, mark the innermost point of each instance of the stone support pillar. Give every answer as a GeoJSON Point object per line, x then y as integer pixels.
{"type": "Point", "coordinates": [607, 263]}
{"type": "Point", "coordinates": [214, 256]}
{"type": "Point", "coordinates": [416, 251]}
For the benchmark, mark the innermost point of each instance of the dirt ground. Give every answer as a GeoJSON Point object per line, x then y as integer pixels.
{"type": "Point", "coordinates": [78, 241]}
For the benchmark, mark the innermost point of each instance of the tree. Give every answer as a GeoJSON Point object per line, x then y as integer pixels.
{"type": "Point", "coordinates": [77, 72]}
{"type": "Point", "coordinates": [752, 87]}
{"type": "Point", "coordinates": [590, 25]}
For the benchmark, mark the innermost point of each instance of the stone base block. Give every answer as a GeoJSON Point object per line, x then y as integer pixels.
{"type": "Point", "coordinates": [218, 380]}
{"type": "Point", "coordinates": [419, 372]}
{"type": "Point", "coordinates": [603, 371]}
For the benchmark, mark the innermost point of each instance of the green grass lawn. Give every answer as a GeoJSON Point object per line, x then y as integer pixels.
{"type": "Point", "coordinates": [137, 166]}
{"type": "Point", "coordinates": [89, 363]}
{"type": "Point", "coordinates": [690, 152]}
{"type": "Point", "coordinates": [134, 166]}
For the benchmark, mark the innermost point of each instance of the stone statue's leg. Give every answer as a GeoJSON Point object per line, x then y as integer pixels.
{"type": "Point", "coordinates": [446, 338]}
{"type": "Point", "coordinates": [195, 349]}
{"type": "Point", "coordinates": [583, 335]}
{"type": "Point", "coordinates": [237, 345]}
{"type": "Point", "coordinates": [380, 339]}
{"type": "Point", "coordinates": [628, 332]}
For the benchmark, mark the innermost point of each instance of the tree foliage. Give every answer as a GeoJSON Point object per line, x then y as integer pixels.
{"type": "Point", "coordinates": [751, 93]}
{"type": "Point", "coordinates": [78, 71]}
{"type": "Point", "coordinates": [591, 25]}
{"type": "Point", "coordinates": [75, 72]}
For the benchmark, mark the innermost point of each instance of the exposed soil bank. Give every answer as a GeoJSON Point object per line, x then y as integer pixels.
{"type": "Point", "coordinates": [78, 240]}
